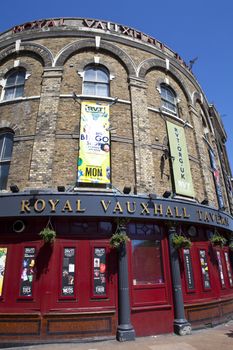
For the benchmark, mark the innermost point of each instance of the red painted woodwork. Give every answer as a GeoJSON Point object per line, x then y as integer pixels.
{"type": "Point", "coordinates": [216, 290]}
{"type": "Point", "coordinates": [151, 302]}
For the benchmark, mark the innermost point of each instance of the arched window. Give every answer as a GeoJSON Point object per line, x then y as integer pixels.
{"type": "Point", "coordinates": [6, 145]}
{"type": "Point", "coordinates": [96, 81]}
{"type": "Point", "coordinates": [14, 84]}
{"type": "Point", "coordinates": [168, 98]}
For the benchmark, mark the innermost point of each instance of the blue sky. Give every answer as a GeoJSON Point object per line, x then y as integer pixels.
{"type": "Point", "coordinates": [202, 28]}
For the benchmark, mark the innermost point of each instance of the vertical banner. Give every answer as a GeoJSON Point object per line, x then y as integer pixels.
{"type": "Point", "coordinates": [180, 161]}
{"type": "Point", "coordinates": [94, 151]}
{"type": "Point", "coordinates": [3, 253]}
{"type": "Point", "coordinates": [216, 179]}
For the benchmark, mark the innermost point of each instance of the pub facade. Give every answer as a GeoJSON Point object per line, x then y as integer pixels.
{"type": "Point", "coordinates": [116, 196]}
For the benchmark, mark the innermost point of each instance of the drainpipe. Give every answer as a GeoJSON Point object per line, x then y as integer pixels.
{"type": "Point", "coordinates": [181, 325]}
{"type": "Point", "coordinates": [125, 330]}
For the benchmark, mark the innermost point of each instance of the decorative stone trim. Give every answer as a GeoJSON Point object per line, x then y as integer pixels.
{"type": "Point", "coordinates": [6, 125]}
{"type": "Point", "coordinates": [153, 63]}
{"type": "Point", "coordinates": [41, 51]}
{"type": "Point", "coordinates": [90, 43]}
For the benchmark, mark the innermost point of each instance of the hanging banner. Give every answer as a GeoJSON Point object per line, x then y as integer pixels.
{"type": "Point", "coordinates": [94, 151]}
{"type": "Point", "coordinates": [216, 179]}
{"type": "Point", "coordinates": [180, 161]}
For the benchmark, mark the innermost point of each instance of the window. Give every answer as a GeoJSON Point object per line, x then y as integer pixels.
{"type": "Point", "coordinates": [14, 84]}
{"type": "Point", "coordinates": [168, 99]}
{"type": "Point", "coordinates": [96, 81]}
{"type": "Point", "coordinates": [6, 144]}
{"type": "Point", "coordinates": [147, 262]}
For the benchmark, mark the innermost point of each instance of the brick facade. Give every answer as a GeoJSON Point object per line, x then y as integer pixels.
{"type": "Point", "coordinates": [47, 118]}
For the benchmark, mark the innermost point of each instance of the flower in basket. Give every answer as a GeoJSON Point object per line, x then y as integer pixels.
{"type": "Point", "coordinates": [180, 241]}
{"type": "Point", "coordinates": [117, 239]}
{"type": "Point", "coordinates": [218, 240]}
{"type": "Point", "coordinates": [48, 235]}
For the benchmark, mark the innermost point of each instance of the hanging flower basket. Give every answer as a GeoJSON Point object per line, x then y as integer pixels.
{"type": "Point", "coordinates": [180, 241]}
{"type": "Point", "coordinates": [48, 235]}
{"type": "Point", "coordinates": [117, 239]}
{"type": "Point", "coordinates": [120, 236]}
{"type": "Point", "coordinates": [218, 240]}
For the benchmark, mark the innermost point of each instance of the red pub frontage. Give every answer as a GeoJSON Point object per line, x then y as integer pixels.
{"type": "Point", "coordinates": [116, 193]}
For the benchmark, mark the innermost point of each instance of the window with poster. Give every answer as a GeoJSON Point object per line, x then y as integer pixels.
{"type": "Point", "coordinates": [228, 266]}
{"type": "Point", "coordinates": [27, 273]}
{"type": "Point", "coordinates": [204, 269]}
{"type": "Point", "coordinates": [99, 272]}
{"type": "Point", "coordinates": [68, 279]}
{"type": "Point", "coordinates": [3, 257]}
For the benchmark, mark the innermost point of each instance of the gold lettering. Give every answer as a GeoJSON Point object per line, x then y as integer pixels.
{"type": "Point", "coordinates": [25, 206]}
{"type": "Point", "coordinates": [129, 208]}
{"type": "Point", "coordinates": [185, 215]}
{"type": "Point", "coordinates": [105, 205]}
{"type": "Point", "coordinates": [53, 205]}
{"type": "Point", "coordinates": [158, 209]}
{"type": "Point", "coordinates": [206, 217]}
{"type": "Point", "coordinates": [199, 212]}
{"type": "Point", "coordinates": [212, 216]}
{"type": "Point", "coordinates": [177, 213]}
{"type": "Point", "coordinates": [67, 207]}
{"type": "Point", "coordinates": [145, 209]}
{"type": "Point", "coordinates": [118, 208]}
{"type": "Point", "coordinates": [218, 219]}
{"type": "Point", "coordinates": [39, 205]}
{"type": "Point", "coordinates": [169, 212]}
{"type": "Point", "coordinates": [78, 207]}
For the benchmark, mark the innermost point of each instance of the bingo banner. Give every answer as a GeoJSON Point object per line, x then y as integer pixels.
{"type": "Point", "coordinates": [94, 144]}
{"type": "Point", "coordinates": [180, 161]}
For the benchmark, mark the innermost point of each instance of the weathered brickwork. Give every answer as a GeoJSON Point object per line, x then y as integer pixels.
{"type": "Point", "coordinates": [46, 121]}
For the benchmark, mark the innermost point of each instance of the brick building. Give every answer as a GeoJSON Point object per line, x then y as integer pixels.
{"type": "Point", "coordinates": [104, 130]}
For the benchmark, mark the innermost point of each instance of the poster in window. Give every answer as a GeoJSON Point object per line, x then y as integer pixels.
{"type": "Point", "coordinates": [220, 269]}
{"type": "Point", "coordinates": [228, 268]}
{"type": "Point", "coordinates": [204, 269]}
{"type": "Point", "coordinates": [99, 275]}
{"type": "Point", "coordinates": [94, 144]}
{"type": "Point", "coordinates": [3, 254]}
{"type": "Point", "coordinates": [188, 269]}
{"type": "Point", "coordinates": [27, 274]}
{"type": "Point", "coordinates": [68, 272]}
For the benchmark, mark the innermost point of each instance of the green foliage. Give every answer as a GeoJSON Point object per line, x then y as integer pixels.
{"type": "Point", "coordinates": [218, 240]}
{"type": "Point", "coordinates": [117, 239]}
{"type": "Point", "coordinates": [180, 241]}
{"type": "Point", "coordinates": [48, 235]}
{"type": "Point", "coordinates": [231, 246]}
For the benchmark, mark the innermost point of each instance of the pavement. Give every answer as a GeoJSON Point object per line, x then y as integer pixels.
{"type": "Point", "coordinates": [217, 338]}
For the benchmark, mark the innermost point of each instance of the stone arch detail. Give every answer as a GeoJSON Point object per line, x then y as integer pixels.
{"type": "Point", "coordinates": [39, 50]}
{"type": "Point", "coordinates": [198, 97]}
{"type": "Point", "coordinates": [90, 43]}
{"type": "Point", "coordinates": [153, 63]}
{"type": "Point", "coordinates": [6, 125]}
{"type": "Point", "coordinates": [10, 67]}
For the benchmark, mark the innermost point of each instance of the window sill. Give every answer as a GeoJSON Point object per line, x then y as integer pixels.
{"type": "Point", "coordinates": [19, 99]}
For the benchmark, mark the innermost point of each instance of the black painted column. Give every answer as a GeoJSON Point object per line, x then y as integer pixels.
{"type": "Point", "coordinates": [181, 325]}
{"type": "Point", "coordinates": [125, 330]}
